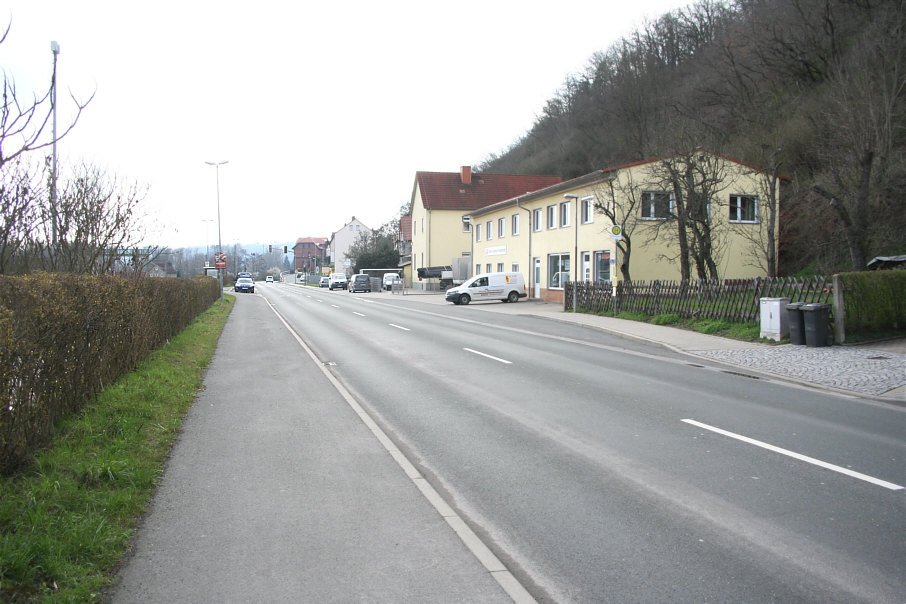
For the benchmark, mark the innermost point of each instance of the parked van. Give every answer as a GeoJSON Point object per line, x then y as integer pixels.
{"type": "Point", "coordinates": [336, 281]}
{"type": "Point", "coordinates": [508, 287]}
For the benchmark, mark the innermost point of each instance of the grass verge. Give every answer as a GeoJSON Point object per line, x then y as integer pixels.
{"type": "Point", "coordinates": [748, 332]}
{"type": "Point", "coordinates": [66, 522]}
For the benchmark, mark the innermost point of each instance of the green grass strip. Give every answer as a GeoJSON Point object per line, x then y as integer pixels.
{"type": "Point", "coordinates": [67, 521]}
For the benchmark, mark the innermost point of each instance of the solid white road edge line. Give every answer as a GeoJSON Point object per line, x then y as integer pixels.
{"type": "Point", "coordinates": [488, 356]}
{"type": "Point", "coordinates": [510, 584]}
{"type": "Point", "coordinates": [800, 457]}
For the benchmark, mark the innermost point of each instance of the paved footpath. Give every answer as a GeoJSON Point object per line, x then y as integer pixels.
{"type": "Point", "coordinates": [276, 491]}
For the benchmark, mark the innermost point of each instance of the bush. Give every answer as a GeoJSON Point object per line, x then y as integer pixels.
{"type": "Point", "coordinates": [874, 301]}
{"type": "Point", "coordinates": [64, 337]}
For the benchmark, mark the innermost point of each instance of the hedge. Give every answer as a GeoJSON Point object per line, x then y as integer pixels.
{"type": "Point", "coordinates": [64, 337]}
{"type": "Point", "coordinates": [874, 301]}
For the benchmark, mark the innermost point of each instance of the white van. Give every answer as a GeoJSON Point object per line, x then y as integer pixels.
{"type": "Point", "coordinates": [508, 287]}
{"type": "Point", "coordinates": [336, 280]}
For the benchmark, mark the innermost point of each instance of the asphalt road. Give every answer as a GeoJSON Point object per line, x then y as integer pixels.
{"type": "Point", "coordinates": [601, 470]}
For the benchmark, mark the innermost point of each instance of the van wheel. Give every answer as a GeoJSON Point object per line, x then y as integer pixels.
{"type": "Point", "coordinates": [464, 299]}
{"type": "Point", "coordinates": [513, 297]}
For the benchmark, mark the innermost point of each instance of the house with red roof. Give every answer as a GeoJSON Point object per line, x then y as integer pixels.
{"type": "Point", "coordinates": [441, 200]}
{"type": "Point", "coordinates": [310, 254]}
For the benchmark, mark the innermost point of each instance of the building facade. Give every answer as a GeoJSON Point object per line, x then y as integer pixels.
{"type": "Point", "coordinates": [341, 241]}
{"type": "Point", "coordinates": [441, 200]}
{"type": "Point", "coordinates": [310, 254]}
{"type": "Point", "coordinates": [566, 231]}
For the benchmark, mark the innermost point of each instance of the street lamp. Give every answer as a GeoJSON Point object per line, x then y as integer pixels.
{"type": "Point", "coordinates": [219, 241]}
{"type": "Point", "coordinates": [55, 49]}
{"type": "Point", "coordinates": [576, 252]}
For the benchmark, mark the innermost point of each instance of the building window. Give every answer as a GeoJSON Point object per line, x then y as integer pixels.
{"type": "Point", "coordinates": [515, 267]}
{"type": "Point", "coordinates": [477, 269]}
{"type": "Point", "coordinates": [602, 266]}
{"type": "Point", "coordinates": [490, 233]}
{"type": "Point", "coordinates": [536, 220]}
{"type": "Point", "coordinates": [466, 226]}
{"type": "Point", "coordinates": [500, 267]}
{"type": "Point", "coordinates": [564, 214]}
{"type": "Point", "coordinates": [477, 232]}
{"type": "Point", "coordinates": [501, 227]}
{"type": "Point", "coordinates": [552, 217]}
{"type": "Point", "coordinates": [743, 208]}
{"type": "Point", "coordinates": [557, 270]}
{"type": "Point", "coordinates": [487, 267]}
{"type": "Point", "coordinates": [588, 210]}
{"type": "Point", "coordinates": [515, 225]}
{"type": "Point", "coordinates": [656, 205]}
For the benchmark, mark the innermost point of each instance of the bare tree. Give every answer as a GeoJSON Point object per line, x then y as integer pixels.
{"type": "Point", "coordinates": [618, 199]}
{"type": "Point", "coordinates": [21, 192]}
{"type": "Point", "coordinates": [97, 219]}
{"type": "Point", "coordinates": [860, 142]}
{"type": "Point", "coordinates": [24, 123]}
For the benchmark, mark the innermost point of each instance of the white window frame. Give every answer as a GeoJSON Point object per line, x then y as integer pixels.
{"type": "Point", "coordinates": [489, 234]}
{"type": "Point", "coordinates": [478, 232]}
{"type": "Point", "coordinates": [567, 272]}
{"type": "Point", "coordinates": [565, 214]}
{"type": "Point", "coordinates": [501, 228]}
{"type": "Point", "coordinates": [737, 207]}
{"type": "Point", "coordinates": [515, 267]}
{"type": "Point", "coordinates": [588, 210]}
{"type": "Point", "coordinates": [648, 201]}
{"type": "Point", "coordinates": [500, 267]}
{"type": "Point", "coordinates": [514, 224]}
{"type": "Point", "coordinates": [552, 216]}
{"type": "Point", "coordinates": [537, 219]}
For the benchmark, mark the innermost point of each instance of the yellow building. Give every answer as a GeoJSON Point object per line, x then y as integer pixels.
{"type": "Point", "coordinates": [440, 200]}
{"type": "Point", "coordinates": [717, 200]}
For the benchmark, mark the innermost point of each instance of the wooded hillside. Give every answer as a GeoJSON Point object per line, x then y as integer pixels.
{"type": "Point", "coordinates": [811, 89]}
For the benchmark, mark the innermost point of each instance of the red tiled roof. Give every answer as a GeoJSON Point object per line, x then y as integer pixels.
{"type": "Point", "coordinates": [446, 191]}
{"type": "Point", "coordinates": [315, 240]}
{"type": "Point", "coordinates": [406, 227]}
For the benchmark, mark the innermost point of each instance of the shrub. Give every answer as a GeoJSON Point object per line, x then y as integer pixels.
{"type": "Point", "coordinates": [64, 337]}
{"type": "Point", "coordinates": [874, 301]}
{"type": "Point", "coordinates": [666, 319]}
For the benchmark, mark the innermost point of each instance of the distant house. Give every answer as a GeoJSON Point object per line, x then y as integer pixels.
{"type": "Point", "coordinates": [562, 233]}
{"type": "Point", "coordinates": [404, 247]}
{"type": "Point", "coordinates": [440, 200]}
{"type": "Point", "coordinates": [341, 241]}
{"type": "Point", "coordinates": [310, 254]}
{"type": "Point", "coordinates": [161, 269]}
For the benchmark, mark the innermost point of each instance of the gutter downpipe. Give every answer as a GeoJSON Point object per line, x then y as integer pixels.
{"type": "Point", "coordinates": [531, 267]}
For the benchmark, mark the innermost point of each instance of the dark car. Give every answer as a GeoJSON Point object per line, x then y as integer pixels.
{"type": "Point", "coordinates": [360, 283]}
{"type": "Point", "coordinates": [244, 284]}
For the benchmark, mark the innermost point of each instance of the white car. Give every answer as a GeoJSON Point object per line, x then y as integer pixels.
{"type": "Point", "coordinates": [269, 279]}
{"type": "Point", "coordinates": [391, 279]}
{"type": "Point", "coordinates": [336, 280]}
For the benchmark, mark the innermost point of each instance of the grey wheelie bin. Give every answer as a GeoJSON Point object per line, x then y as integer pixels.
{"type": "Point", "coordinates": [817, 320]}
{"type": "Point", "coordinates": [796, 323]}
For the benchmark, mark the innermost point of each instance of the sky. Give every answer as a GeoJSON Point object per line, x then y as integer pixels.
{"type": "Point", "coordinates": [323, 111]}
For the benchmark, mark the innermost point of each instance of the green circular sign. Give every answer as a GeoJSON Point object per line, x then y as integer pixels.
{"type": "Point", "coordinates": [616, 229]}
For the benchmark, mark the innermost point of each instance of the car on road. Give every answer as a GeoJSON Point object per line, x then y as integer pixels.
{"type": "Point", "coordinates": [244, 274]}
{"type": "Point", "coordinates": [391, 279]}
{"type": "Point", "coordinates": [244, 284]}
{"type": "Point", "coordinates": [508, 287]}
{"type": "Point", "coordinates": [269, 279]}
{"type": "Point", "coordinates": [325, 282]}
{"type": "Point", "coordinates": [336, 281]}
{"type": "Point", "coordinates": [360, 283]}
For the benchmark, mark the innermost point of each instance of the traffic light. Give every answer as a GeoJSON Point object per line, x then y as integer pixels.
{"type": "Point", "coordinates": [285, 249]}
{"type": "Point", "coordinates": [270, 249]}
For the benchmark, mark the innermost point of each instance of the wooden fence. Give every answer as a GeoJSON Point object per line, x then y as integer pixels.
{"type": "Point", "coordinates": [737, 300]}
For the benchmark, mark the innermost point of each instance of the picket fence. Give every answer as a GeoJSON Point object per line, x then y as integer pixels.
{"type": "Point", "coordinates": [736, 300]}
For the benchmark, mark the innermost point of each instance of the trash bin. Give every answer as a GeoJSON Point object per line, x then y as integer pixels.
{"type": "Point", "coordinates": [816, 318]}
{"type": "Point", "coordinates": [797, 325]}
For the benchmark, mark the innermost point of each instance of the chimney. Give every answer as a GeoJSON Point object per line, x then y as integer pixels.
{"type": "Point", "coordinates": [465, 173]}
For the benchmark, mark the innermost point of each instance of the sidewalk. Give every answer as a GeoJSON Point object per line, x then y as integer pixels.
{"type": "Point", "coordinates": [876, 370]}
{"type": "Point", "coordinates": [277, 491]}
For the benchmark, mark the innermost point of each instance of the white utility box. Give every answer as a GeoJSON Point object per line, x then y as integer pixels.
{"type": "Point", "coordinates": [774, 324]}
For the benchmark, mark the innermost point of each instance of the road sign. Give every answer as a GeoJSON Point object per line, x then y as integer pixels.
{"type": "Point", "coordinates": [616, 232]}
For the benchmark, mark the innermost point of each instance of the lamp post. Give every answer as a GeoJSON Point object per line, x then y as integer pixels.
{"type": "Point", "coordinates": [219, 241]}
{"type": "Point", "coordinates": [55, 49]}
{"type": "Point", "coordinates": [576, 251]}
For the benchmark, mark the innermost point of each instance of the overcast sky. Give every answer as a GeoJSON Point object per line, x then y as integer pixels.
{"type": "Point", "coordinates": [324, 111]}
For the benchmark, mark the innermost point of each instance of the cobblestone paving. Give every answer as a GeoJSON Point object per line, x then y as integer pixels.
{"type": "Point", "coordinates": [860, 370]}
